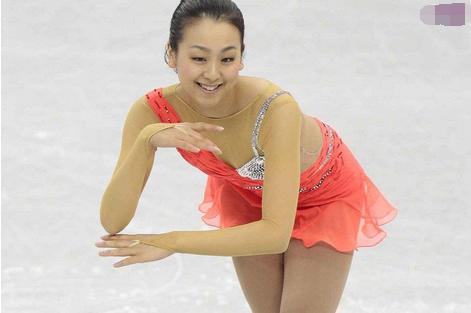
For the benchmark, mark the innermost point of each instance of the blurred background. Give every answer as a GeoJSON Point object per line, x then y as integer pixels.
{"type": "Point", "coordinates": [393, 87]}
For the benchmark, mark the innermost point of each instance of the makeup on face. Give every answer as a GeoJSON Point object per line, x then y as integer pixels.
{"type": "Point", "coordinates": [212, 88]}
{"type": "Point", "coordinates": [209, 89]}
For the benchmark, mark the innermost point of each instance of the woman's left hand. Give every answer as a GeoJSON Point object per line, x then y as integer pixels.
{"type": "Point", "coordinates": [139, 253]}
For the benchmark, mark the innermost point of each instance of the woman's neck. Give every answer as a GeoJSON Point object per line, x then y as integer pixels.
{"type": "Point", "coordinates": [226, 107]}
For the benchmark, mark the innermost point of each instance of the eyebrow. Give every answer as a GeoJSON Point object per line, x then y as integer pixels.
{"type": "Point", "coordinates": [206, 49]}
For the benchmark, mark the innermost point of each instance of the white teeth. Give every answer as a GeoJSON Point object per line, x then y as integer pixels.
{"type": "Point", "coordinates": [209, 88]}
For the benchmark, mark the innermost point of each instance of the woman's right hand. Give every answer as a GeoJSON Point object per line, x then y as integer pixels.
{"type": "Point", "coordinates": [186, 136]}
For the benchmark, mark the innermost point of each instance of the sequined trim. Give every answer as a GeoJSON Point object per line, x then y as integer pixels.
{"type": "Point", "coordinates": [253, 187]}
{"type": "Point", "coordinates": [255, 168]}
{"type": "Point", "coordinates": [326, 159]}
{"type": "Point", "coordinates": [316, 186]}
{"type": "Point", "coordinates": [260, 117]}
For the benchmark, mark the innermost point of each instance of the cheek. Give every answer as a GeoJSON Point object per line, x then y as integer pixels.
{"type": "Point", "coordinates": [187, 71]}
{"type": "Point", "coordinates": [233, 71]}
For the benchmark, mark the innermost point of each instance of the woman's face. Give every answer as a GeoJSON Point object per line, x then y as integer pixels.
{"type": "Point", "coordinates": [209, 54]}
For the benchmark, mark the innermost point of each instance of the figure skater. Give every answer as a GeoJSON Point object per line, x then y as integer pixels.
{"type": "Point", "coordinates": [289, 199]}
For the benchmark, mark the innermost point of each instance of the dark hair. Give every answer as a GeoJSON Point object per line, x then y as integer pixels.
{"type": "Point", "coordinates": [189, 11]}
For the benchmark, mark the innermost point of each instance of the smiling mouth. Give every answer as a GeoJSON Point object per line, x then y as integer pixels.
{"type": "Point", "coordinates": [209, 90]}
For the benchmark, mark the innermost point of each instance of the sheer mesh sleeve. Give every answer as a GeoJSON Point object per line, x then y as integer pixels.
{"type": "Point", "coordinates": [135, 161]}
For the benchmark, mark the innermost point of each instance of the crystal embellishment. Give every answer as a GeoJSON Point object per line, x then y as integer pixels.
{"type": "Point", "coordinates": [255, 168]}
{"type": "Point", "coordinates": [324, 176]}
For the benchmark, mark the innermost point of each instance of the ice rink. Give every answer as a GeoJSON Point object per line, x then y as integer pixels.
{"type": "Point", "coordinates": [397, 91]}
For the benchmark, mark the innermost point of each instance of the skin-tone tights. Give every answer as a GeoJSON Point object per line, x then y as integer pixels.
{"type": "Point", "coordinates": [300, 280]}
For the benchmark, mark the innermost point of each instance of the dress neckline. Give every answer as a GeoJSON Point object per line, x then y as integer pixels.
{"type": "Point", "coordinates": [229, 167]}
{"type": "Point", "coordinates": [244, 109]}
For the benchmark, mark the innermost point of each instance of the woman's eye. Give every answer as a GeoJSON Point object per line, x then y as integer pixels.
{"type": "Point", "coordinates": [226, 60]}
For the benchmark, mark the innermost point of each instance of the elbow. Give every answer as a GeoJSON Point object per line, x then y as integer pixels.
{"type": "Point", "coordinates": [110, 226]}
{"type": "Point", "coordinates": [111, 221]}
{"type": "Point", "coordinates": [283, 248]}
{"type": "Point", "coordinates": [280, 239]}
{"type": "Point", "coordinates": [282, 244]}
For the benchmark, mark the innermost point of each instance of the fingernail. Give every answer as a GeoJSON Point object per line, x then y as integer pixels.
{"type": "Point", "coordinates": [220, 128]}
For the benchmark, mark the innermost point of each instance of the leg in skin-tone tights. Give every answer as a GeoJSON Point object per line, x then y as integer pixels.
{"type": "Point", "coordinates": [314, 278]}
{"type": "Point", "coordinates": [261, 279]}
{"type": "Point", "coordinates": [299, 280]}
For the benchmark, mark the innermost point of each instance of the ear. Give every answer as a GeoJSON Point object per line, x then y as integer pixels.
{"type": "Point", "coordinates": [172, 59]}
{"type": "Point", "coordinates": [242, 65]}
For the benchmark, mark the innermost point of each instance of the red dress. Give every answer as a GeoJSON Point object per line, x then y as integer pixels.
{"type": "Point", "coordinates": [338, 203]}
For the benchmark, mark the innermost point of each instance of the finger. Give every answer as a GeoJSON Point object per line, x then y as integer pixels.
{"type": "Point", "coordinates": [202, 145]}
{"type": "Point", "coordinates": [134, 243]}
{"type": "Point", "coordinates": [187, 146]}
{"type": "Point", "coordinates": [194, 133]}
{"type": "Point", "coordinates": [118, 252]}
{"type": "Point", "coordinates": [116, 243]}
{"type": "Point", "coordinates": [121, 237]}
{"type": "Point", "coordinates": [125, 262]}
{"type": "Point", "coordinates": [208, 144]}
{"type": "Point", "coordinates": [115, 236]}
{"type": "Point", "coordinates": [206, 126]}
{"type": "Point", "coordinates": [180, 128]}
{"type": "Point", "coordinates": [189, 132]}
{"type": "Point", "coordinates": [205, 144]}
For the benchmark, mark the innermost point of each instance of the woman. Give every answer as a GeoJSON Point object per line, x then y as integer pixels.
{"type": "Point", "coordinates": [290, 200]}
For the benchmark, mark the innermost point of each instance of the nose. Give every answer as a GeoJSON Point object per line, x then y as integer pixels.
{"type": "Point", "coordinates": [211, 72]}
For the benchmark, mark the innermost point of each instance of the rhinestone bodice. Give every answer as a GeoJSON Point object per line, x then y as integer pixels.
{"type": "Point", "coordinates": [255, 168]}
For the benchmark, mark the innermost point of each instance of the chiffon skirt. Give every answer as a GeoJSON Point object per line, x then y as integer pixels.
{"type": "Point", "coordinates": [338, 203]}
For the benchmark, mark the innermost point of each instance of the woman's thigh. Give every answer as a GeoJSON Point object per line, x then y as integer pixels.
{"type": "Point", "coordinates": [261, 280]}
{"type": "Point", "coordinates": [314, 278]}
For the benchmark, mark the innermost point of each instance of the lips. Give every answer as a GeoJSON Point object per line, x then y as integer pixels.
{"type": "Point", "coordinates": [202, 86]}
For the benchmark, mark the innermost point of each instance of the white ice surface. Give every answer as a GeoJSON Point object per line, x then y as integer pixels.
{"type": "Point", "coordinates": [397, 91]}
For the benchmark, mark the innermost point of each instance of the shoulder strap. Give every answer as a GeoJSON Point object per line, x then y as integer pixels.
{"type": "Point", "coordinates": [260, 116]}
{"type": "Point", "coordinates": [161, 107]}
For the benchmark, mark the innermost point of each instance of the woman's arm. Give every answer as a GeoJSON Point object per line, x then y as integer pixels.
{"type": "Point", "coordinates": [133, 167]}
{"type": "Point", "coordinates": [280, 141]}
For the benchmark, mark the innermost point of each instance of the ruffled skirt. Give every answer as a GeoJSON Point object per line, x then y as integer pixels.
{"type": "Point", "coordinates": [338, 203]}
